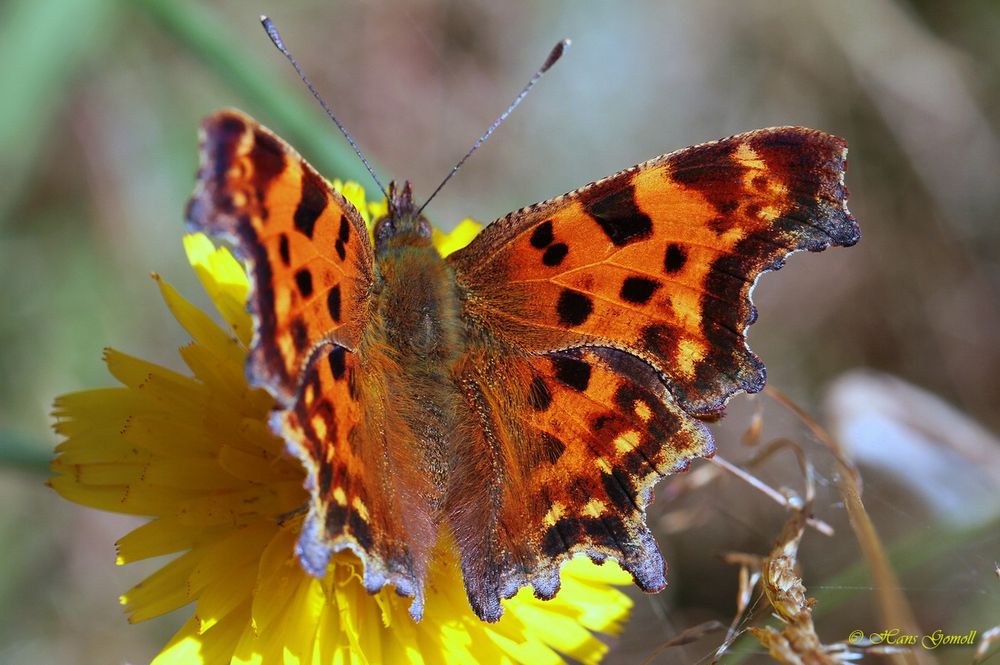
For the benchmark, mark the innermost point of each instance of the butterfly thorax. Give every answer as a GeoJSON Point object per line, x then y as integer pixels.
{"type": "Point", "coordinates": [417, 306]}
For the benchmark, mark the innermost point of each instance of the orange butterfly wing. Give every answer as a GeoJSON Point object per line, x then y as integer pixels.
{"type": "Point", "coordinates": [311, 264]}
{"type": "Point", "coordinates": [566, 449]}
{"type": "Point", "coordinates": [660, 259]}
{"type": "Point", "coordinates": [353, 446]}
{"type": "Point", "coordinates": [601, 324]}
{"type": "Point", "coordinates": [308, 248]}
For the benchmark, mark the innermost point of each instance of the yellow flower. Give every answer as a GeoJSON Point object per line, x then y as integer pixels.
{"type": "Point", "coordinates": [195, 454]}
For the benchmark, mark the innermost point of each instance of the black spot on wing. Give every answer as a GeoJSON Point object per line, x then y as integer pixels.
{"type": "Point", "coordinates": [360, 529]}
{"type": "Point", "coordinates": [333, 303]}
{"type": "Point", "coordinates": [636, 463]}
{"type": "Point", "coordinates": [539, 396]}
{"type": "Point", "coordinates": [268, 159]}
{"type": "Point", "coordinates": [311, 204]}
{"type": "Point", "coordinates": [638, 289]}
{"type": "Point", "coordinates": [300, 334]}
{"type": "Point", "coordinates": [284, 251]}
{"type": "Point", "coordinates": [712, 171]}
{"type": "Point", "coordinates": [674, 259]}
{"type": "Point", "coordinates": [573, 307]}
{"type": "Point", "coordinates": [541, 237]}
{"type": "Point", "coordinates": [232, 126]}
{"type": "Point", "coordinates": [660, 340]}
{"type": "Point", "coordinates": [722, 224]}
{"type": "Point", "coordinates": [561, 536]}
{"type": "Point", "coordinates": [552, 447]}
{"type": "Point", "coordinates": [610, 531]}
{"type": "Point", "coordinates": [555, 254]}
{"type": "Point", "coordinates": [338, 362]}
{"type": "Point", "coordinates": [344, 233]}
{"type": "Point", "coordinates": [552, 542]}
{"type": "Point", "coordinates": [221, 141]}
{"type": "Point", "coordinates": [614, 208]}
{"type": "Point", "coordinates": [341, 251]}
{"type": "Point", "coordinates": [336, 518]}
{"type": "Point", "coordinates": [325, 479]}
{"type": "Point", "coordinates": [304, 282]}
{"type": "Point", "coordinates": [572, 372]}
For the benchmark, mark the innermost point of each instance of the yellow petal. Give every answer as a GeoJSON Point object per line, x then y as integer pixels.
{"type": "Point", "coordinates": [224, 280]}
{"type": "Point", "coordinates": [184, 648]}
{"type": "Point", "coordinates": [200, 326]}
{"type": "Point", "coordinates": [164, 535]}
{"type": "Point", "coordinates": [212, 647]}
{"type": "Point", "coordinates": [117, 498]}
{"type": "Point", "coordinates": [233, 507]}
{"type": "Point", "coordinates": [163, 591]}
{"type": "Point", "coordinates": [457, 238]}
{"type": "Point", "coordinates": [135, 372]}
{"type": "Point", "coordinates": [232, 590]}
{"type": "Point", "coordinates": [216, 373]}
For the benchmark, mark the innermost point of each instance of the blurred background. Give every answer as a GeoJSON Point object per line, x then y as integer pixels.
{"type": "Point", "coordinates": [893, 345]}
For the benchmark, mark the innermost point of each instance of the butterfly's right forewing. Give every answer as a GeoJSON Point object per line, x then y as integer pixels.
{"type": "Point", "coordinates": [311, 259]}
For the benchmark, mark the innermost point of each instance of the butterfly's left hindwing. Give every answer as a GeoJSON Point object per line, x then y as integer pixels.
{"type": "Point", "coordinates": [581, 437]}
{"type": "Point", "coordinates": [353, 447]}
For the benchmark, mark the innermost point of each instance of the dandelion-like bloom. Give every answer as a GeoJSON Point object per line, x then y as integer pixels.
{"type": "Point", "coordinates": [196, 455]}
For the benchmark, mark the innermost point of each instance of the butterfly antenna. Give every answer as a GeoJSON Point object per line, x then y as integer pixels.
{"type": "Point", "coordinates": [554, 55]}
{"type": "Point", "coordinates": [275, 36]}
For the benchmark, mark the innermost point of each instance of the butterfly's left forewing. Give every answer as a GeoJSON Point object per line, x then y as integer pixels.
{"type": "Point", "coordinates": [660, 259]}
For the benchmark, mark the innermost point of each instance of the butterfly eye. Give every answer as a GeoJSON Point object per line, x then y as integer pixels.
{"type": "Point", "coordinates": [424, 228]}
{"type": "Point", "coordinates": [385, 228]}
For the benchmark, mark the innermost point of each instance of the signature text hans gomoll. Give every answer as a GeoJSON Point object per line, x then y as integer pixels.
{"type": "Point", "coordinates": [897, 637]}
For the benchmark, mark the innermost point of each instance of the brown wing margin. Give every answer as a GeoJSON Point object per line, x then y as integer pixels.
{"type": "Point", "coordinates": [660, 259]}
{"type": "Point", "coordinates": [310, 257]}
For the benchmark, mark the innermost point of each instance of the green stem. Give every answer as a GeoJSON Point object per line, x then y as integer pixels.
{"type": "Point", "coordinates": [18, 451]}
{"type": "Point", "coordinates": [43, 45]}
{"type": "Point", "coordinates": [912, 551]}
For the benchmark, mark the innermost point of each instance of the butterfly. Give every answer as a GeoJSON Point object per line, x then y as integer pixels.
{"type": "Point", "coordinates": [525, 393]}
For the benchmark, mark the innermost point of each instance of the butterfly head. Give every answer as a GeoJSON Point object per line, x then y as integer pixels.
{"type": "Point", "coordinates": [403, 225]}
